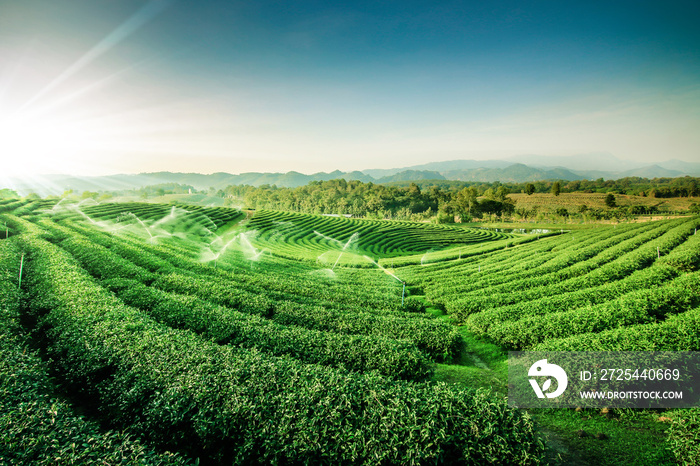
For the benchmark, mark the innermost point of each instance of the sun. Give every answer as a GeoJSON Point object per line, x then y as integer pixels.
{"type": "Point", "coordinates": [33, 144]}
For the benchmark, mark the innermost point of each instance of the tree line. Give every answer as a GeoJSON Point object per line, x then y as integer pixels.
{"type": "Point", "coordinates": [686, 186]}
{"type": "Point", "coordinates": [444, 200]}
{"type": "Point", "coordinates": [420, 200]}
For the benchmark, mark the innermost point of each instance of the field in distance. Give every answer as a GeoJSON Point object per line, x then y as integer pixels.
{"type": "Point", "coordinates": [547, 202]}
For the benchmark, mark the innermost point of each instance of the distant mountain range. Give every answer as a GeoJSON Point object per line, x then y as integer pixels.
{"type": "Point", "coordinates": [525, 168]}
{"type": "Point", "coordinates": [517, 169]}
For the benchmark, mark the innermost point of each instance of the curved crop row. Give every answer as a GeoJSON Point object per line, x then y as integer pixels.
{"type": "Point", "coordinates": [354, 290]}
{"type": "Point", "coordinates": [481, 322]}
{"type": "Point", "coordinates": [435, 258]}
{"type": "Point", "coordinates": [679, 332]}
{"type": "Point", "coordinates": [354, 352]}
{"type": "Point", "coordinates": [36, 427]}
{"type": "Point", "coordinates": [536, 253]}
{"type": "Point", "coordinates": [503, 259]}
{"type": "Point", "coordinates": [218, 216]}
{"type": "Point", "coordinates": [437, 338]}
{"type": "Point", "coordinates": [319, 234]}
{"type": "Point", "coordinates": [160, 219]}
{"type": "Point", "coordinates": [357, 291]}
{"type": "Point", "coordinates": [238, 406]}
{"type": "Point", "coordinates": [637, 253]}
{"type": "Point", "coordinates": [577, 263]}
{"type": "Point", "coordinates": [454, 272]}
{"type": "Point", "coordinates": [686, 257]}
{"type": "Point", "coordinates": [637, 307]}
{"type": "Point", "coordinates": [568, 256]}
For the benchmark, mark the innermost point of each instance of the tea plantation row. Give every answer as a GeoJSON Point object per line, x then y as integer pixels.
{"type": "Point", "coordinates": [190, 381]}
{"type": "Point", "coordinates": [632, 287]}
{"type": "Point", "coordinates": [36, 426]}
{"type": "Point", "coordinates": [310, 236]}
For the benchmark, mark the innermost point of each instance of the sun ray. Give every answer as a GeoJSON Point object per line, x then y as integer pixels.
{"type": "Point", "coordinates": [52, 132]}
{"type": "Point", "coordinates": [145, 14]}
{"type": "Point", "coordinates": [68, 98]}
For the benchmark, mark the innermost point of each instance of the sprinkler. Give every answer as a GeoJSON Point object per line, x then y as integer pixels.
{"type": "Point", "coordinates": [21, 265]}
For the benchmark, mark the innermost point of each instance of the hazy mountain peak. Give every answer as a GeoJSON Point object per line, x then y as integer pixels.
{"type": "Point", "coordinates": [589, 161]}
{"type": "Point", "coordinates": [516, 169]}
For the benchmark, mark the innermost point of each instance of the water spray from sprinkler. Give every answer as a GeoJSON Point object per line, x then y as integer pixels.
{"type": "Point", "coordinates": [170, 216]}
{"type": "Point", "coordinates": [352, 238]}
{"type": "Point", "coordinates": [382, 268]}
{"type": "Point", "coordinates": [327, 237]}
{"type": "Point", "coordinates": [253, 253]}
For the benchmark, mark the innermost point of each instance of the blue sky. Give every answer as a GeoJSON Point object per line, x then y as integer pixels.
{"type": "Point", "coordinates": [107, 86]}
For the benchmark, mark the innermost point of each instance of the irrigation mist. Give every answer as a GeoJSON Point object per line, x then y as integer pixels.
{"type": "Point", "coordinates": [354, 237]}
{"type": "Point", "coordinates": [382, 268]}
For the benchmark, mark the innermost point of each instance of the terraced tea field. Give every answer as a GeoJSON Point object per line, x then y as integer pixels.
{"type": "Point", "coordinates": [189, 333]}
{"type": "Point", "coordinates": [631, 287]}
{"type": "Point", "coordinates": [358, 242]}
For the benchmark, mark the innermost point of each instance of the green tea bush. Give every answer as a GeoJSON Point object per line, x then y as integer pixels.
{"type": "Point", "coordinates": [686, 257]}
{"type": "Point", "coordinates": [610, 265]}
{"type": "Point", "coordinates": [103, 263]}
{"type": "Point", "coordinates": [413, 304]}
{"type": "Point", "coordinates": [237, 406]}
{"type": "Point", "coordinates": [684, 437]}
{"type": "Point", "coordinates": [637, 307]}
{"type": "Point", "coordinates": [36, 427]}
{"type": "Point", "coordinates": [648, 278]}
{"type": "Point", "coordinates": [393, 358]}
{"type": "Point", "coordinates": [555, 260]}
{"type": "Point", "coordinates": [679, 332]}
{"type": "Point", "coordinates": [439, 339]}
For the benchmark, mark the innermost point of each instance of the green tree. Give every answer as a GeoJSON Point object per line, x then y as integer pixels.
{"type": "Point", "coordinates": [501, 193]}
{"type": "Point", "coordinates": [610, 200]}
{"type": "Point", "coordinates": [498, 208]}
{"type": "Point", "coordinates": [529, 189]}
{"type": "Point", "coordinates": [466, 203]}
{"type": "Point", "coordinates": [556, 188]}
